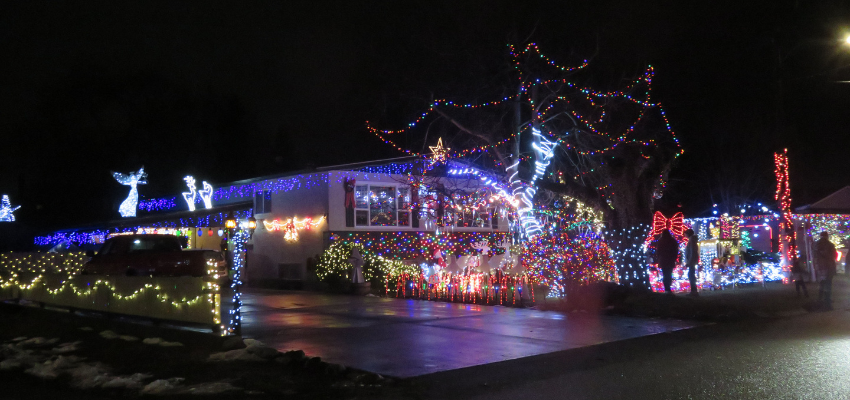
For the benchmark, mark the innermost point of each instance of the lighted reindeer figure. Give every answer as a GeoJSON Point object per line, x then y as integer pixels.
{"type": "Point", "coordinates": [128, 207]}
{"type": "Point", "coordinates": [206, 194]}
{"type": "Point", "coordinates": [192, 194]}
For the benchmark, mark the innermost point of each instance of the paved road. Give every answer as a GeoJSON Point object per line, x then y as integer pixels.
{"type": "Point", "coordinates": [805, 357]}
{"type": "Point", "coordinates": [405, 338]}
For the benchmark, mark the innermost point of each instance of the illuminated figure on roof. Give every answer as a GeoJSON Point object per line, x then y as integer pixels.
{"type": "Point", "coordinates": [6, 210]}
{"type": "Point", "coordinates": [128, 207]}
{"type": "Point", "coordinates": [192, 194]}
{"type": "Point", "coordinates": [206, 194]}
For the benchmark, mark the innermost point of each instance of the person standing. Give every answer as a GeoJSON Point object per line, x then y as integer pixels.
{"type": "Point", "coordinates": [797, 273]}
{"type": "Point", "coordinates": [692, 259]}
{"type": "Point", "coordinates": [825, 257]}
{"type": "Point", "coordinates": [666, 252]}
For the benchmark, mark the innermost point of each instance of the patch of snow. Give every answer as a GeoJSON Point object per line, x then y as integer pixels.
{"type": "Point", "coordinates": [235, 355]}
{"type": "Point", "coordinates": [87, 376]}
{"type": "Point", "coordinates": [162, 386]}
{"type": "Point", "coordinates": [107, 334]}
{"type": "Point", "coordinates": [128, 338]}
{"type": "Point", "coordinates": [213, 388]}
{"type": "Point", "coordinates": [127, 382]}
{"type": "Point", "coordinates": [37, 342]}
{"type": "Point", "coordinates": [252, 342]}
{"type": "Point", "coordinates": [10, 364]}
{"type": "Point", "coordinates": [66, 348]}
{"type": "Point", "coordinates": [152, 340]}
{"type": "Point", "coordinates": [45, 370]}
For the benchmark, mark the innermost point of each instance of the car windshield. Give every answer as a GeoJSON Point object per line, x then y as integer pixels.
{"type": "Point", "coordinates": [153, 244]}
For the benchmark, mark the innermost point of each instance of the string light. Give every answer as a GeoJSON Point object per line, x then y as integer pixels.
{"type": "Point", "coordinates": [438, 152]}
{"type": "Point", "coordinates": [6, 210]}
{"type": "Point", "coordinates": [787, 247]}
{"type": "Point", "coordinates": [292, 226]}
{"type": "Point", "coordinates": [128, 207]}
{"type": "Point", "coordinates": [97, 236]}
{"type": "Point", "coordinates": [192, 195]}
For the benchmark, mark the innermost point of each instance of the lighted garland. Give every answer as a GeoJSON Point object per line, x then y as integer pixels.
{"type": "Point", "coordinates": [334, 263]}
{"type": "Point", "coordinates": [410, 245]}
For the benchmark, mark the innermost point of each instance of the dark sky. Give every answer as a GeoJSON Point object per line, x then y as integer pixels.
{"type": "Point", "coordinates": [233, 90]}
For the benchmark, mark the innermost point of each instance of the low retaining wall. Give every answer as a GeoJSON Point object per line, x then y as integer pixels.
{"type": "Point", "coordinates": [53, 279]}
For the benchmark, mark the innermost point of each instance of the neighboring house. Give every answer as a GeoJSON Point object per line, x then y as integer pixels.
{"type": "Point", "coordinates": [830, 214]}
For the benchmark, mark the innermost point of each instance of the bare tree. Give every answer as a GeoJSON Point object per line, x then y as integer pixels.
{"type": "Point", "coordinates": [614, 147]}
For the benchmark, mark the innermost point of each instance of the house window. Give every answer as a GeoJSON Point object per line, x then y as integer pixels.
{"type": "Point", "coordinates": [475, 219]}
{"type": "Point", "coordinates": [262, 202]}
{"type": "Point", "coordinates": [381, 205]}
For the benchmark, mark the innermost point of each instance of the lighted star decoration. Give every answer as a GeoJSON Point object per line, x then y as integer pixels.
{"type": "Point", "coordinates": [6, 210]}
{"type": "Point", "coordinates": [128, 207]}
{"type": "Point", "coordinates": [438, 152]}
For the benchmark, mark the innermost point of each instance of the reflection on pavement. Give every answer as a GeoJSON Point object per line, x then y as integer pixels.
{"type": "Point", "coordinates": [404, 338]}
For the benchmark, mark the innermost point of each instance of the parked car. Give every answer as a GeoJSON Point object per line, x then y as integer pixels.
{"type": "Point", "coordinates": [153, 255]}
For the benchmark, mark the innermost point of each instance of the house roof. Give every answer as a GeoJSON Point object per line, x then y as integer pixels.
{"type": "Point", "coordinates": [836, 203]}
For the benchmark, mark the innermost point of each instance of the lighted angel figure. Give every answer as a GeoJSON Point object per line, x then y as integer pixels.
{"type": "Point", "coordinates": [6, 210]}
{"type": "Point", "coordinates": [192, 194]}
{"type": "Point", "coordinates": [128, 207]}
{"type": "Point", "coordinates": [206, 194]}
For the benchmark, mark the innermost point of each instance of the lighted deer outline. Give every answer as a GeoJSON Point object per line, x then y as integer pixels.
{"type": "Point", "coordinates": [193, 193]}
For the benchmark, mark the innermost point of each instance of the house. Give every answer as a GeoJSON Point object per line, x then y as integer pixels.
{"type": "Point", "coordinates": [381, 205]}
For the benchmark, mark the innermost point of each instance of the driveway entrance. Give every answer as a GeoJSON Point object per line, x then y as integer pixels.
{"type": "Point", "coordinates": [405, 338]}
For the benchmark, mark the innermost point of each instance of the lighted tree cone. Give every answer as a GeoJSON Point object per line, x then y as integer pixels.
{"type": "Point", "coordinates": [562, 262]}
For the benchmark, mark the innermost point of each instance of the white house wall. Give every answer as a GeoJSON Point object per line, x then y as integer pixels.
{"type": "Point", "coordinates": [271, 249]}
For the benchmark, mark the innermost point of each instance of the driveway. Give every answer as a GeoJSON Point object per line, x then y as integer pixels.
{"type": "Point", "coordinates": [406, 338]}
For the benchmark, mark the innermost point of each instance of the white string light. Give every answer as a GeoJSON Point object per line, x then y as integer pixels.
{"type": "Point", "coordinates": [128, 207]}
{"type": "Point", "coordinates": [6, 210]}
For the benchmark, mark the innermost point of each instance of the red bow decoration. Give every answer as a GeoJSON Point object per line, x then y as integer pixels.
{"type": "Point", "coordinates": [660, 223]}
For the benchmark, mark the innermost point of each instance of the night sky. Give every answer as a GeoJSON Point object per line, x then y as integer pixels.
{"type": "Point", "coordinates": [234, 90]}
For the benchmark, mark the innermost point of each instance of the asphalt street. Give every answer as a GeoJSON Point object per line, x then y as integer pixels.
{"type": "Point", "coordinates": [803, 357]}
